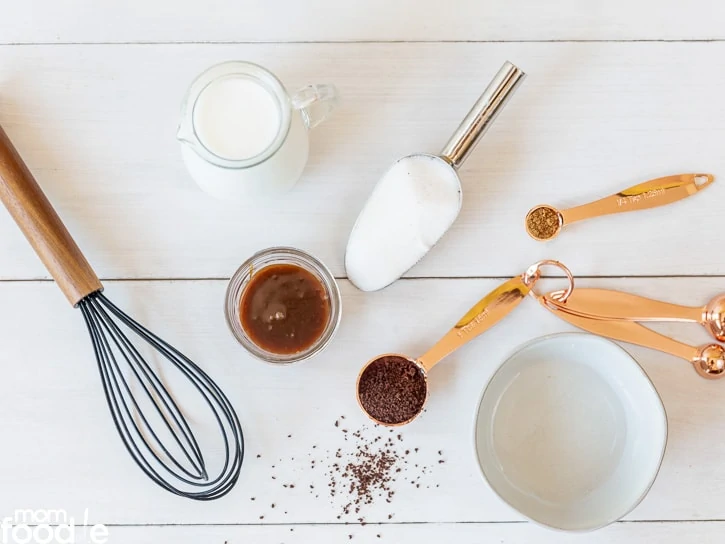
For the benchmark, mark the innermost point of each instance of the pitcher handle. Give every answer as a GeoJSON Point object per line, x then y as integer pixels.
{"type": "Point", "coordinates": [315, 103]}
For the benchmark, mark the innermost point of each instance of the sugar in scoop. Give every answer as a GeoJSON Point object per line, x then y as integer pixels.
{"type": "Point", "coordinates": [409, 210]}
{"type": "Point", "coordinates": [419, 197]}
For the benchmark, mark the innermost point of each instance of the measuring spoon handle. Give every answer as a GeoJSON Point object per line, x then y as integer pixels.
{"type": "Point", "coordinates": [708, 360]}
{"type": "Point", "coordinates": [485, 314]}
{"type": "Point", "coordinates": [650, 194]}
{"type": "Point", "coordinates": [608, 304]}
{"type": "Point", "coordinates": [624, 331]}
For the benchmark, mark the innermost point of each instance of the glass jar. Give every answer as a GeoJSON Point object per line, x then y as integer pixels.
{"type": "Point", "coordinates": [277, 256]}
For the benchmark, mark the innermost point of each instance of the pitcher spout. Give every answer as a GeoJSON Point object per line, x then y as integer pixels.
{"type": "Point", "coordinates": [186, 135]}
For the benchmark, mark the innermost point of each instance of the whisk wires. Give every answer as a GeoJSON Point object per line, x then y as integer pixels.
{"type": "Point", "coordinates": [153, 427]}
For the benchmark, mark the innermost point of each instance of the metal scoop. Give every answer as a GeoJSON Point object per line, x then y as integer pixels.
{"type": "Point", "coordinates": [485, 314]}
{"type": "Point", "coordinates": [708, 360]}
{"type": "Point", "coordinates": [544, 222]}
{"type": "Point", "coordinates": [419, 198]}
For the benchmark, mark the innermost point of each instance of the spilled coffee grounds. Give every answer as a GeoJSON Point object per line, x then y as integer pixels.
{"type": "Point", "coordinates": [368, 465]}
{"type": "Point", "coordinates": [392, 389]}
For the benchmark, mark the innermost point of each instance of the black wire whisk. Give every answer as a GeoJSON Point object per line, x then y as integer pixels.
{"type": "Point", "coordinates": [135, 376]}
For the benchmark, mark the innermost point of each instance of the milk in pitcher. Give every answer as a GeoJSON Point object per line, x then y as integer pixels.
{"type": "Point", "coordinates": [242, 135]}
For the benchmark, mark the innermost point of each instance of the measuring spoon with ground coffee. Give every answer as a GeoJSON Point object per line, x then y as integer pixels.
{"type": "Point", "coordinates": [392, 388]}
{"type": "Point", "coordinates": [545, 222]}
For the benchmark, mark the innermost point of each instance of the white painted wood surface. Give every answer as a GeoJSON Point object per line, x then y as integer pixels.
{"type": "Point", "coordinates": [52, 396]}
{"type": "Point", "coordinates": [469, 533]}
{"type": "Point", "coordinates": [42, 21]}
{"type": "Point", "coordinates": [617, 93]}
{"type": "Point", "coordinates": [97, 123]}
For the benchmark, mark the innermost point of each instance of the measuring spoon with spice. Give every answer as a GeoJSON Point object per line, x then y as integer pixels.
{"type": "Point", "coordinates": [392, 388]}
{"type": "Point", "coordinates": [544, 222]}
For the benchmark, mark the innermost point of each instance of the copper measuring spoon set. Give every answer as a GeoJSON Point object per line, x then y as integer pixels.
{"type": "Point", "coordinates": [608, 313]}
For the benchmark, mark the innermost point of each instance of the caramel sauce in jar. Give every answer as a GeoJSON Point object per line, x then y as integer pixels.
{"type": "Point", "coordinates": [284, 309]}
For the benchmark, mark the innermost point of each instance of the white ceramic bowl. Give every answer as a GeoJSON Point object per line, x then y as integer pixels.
{"type": "Point", "coordinates": [571, 432]}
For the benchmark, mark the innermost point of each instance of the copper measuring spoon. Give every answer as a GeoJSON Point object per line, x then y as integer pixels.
{"type": "Point", "coordinates": [485, 314]}
{"type": "Point", "coordinates": [708, 360]}
{"type": "Point", "coordinates": [544, 222]}
{"type": "Point", "coordinates": [613, 305]}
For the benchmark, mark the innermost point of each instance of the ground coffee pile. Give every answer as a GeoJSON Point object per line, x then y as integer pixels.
{"type": "Point", "coordinates": [392, 389]}
{"type": "Point", "coordinates": [371, 468]}
{"type": "Point", "coordinates": [370, 465]}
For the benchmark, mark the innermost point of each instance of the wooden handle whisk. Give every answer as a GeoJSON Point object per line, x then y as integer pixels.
{"type": "Point", "coordinates": [123, 350]}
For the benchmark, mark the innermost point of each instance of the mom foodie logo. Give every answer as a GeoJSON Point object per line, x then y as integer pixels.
{"type": "Point", "coordinates": [50, 527]}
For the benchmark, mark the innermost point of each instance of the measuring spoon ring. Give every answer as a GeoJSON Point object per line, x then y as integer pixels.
{"type": "Point", "coordinates": [544, 222]}
{"type": "Point", "coordinates": [708, 360]}
{"type": "Point", "coordinates": [392, 388]}
{"type": "Point", "coordinates": [613, 305]}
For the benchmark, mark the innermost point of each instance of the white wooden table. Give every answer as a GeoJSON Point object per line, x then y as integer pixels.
{"type": "Point", "coordinates": [619, 91]}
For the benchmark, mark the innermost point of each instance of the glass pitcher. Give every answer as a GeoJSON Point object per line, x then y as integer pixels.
{"type": "Point", "coordinates": [242, 135]}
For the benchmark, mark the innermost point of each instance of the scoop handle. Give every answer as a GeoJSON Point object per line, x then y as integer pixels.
{"type": "Point", "coordinates": [650, 194]}
{"type": "Point", "coordinates": [482, 114]}
{"type": "Point", "coordinates": [485, 314]}
{"type": "Point", "coordinates": [41, 225]}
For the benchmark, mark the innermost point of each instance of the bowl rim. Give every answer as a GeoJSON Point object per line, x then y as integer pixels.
{"type": "Point", "coordinates": [652, 479]}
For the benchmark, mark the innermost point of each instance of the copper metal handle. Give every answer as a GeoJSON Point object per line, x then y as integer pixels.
{"type": "Point", "coordinates": [41, 225]}
{"type": "Point", "coordinates": [707, 360]}
{"type": "Point", "coordinates": [615, 305]}
{"type": "Point", "coordinates": [607, 304]}
{"type": "Point", "coordinates": [485, 314]}
{"type": "Point", "coordinates": [482, 114]}
{"type": "Point", "coordinates": [625, 331]}
{"type": "Point", "coordinates": [651, 194]}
